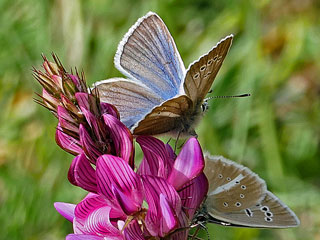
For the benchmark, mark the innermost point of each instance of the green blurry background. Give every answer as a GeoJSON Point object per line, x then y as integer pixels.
{"type": "Point", "coordinates": [275, 132]}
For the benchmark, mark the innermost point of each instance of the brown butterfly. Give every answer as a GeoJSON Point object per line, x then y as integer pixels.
{"type": "Point", "coordinates": [160, 96]}
{"type": "Point", "coordinates": [238, 197]}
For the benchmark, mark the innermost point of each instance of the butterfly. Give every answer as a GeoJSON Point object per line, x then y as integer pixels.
{"type": "Point", "coordinates": [160, 96]}
{"type": "Point", "coordinates": [238, 197]}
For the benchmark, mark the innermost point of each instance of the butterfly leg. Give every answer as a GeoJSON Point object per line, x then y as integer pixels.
{"type": "Point", "coordinates": [192, 133]}
{"type": "Point", "coordinates": [182, 144]}
{"type": "Point", "coordinates": [199, 226]}
{"type": "Point", "coordinates": [194, 236]}
{"type": "Point", "coordinates": [175, 144]}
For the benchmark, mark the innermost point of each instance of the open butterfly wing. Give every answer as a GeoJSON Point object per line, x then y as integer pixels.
{"type": "Point", "coordinates": [232, 187]}
{"type": "Point", "coordinates": [201, 74]}
{"type": "Point", "coordinates": [164, 118]}
{"type": "Point", "coordinates": [269, 213]}
{"type": "Point", "coordinates": [132, 99]}
{"type": "Point", "coordinates": [147, 53]}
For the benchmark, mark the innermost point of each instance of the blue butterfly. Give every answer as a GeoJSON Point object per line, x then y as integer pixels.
{"type": "Point", "coordinates": [160, 96]}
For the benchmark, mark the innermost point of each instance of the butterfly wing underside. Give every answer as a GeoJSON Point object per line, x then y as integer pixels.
{"type": "Point", "coordinates": [201, 74]}
{"type": "Point", "coordinates": [259, 207]}
{"type": "Point", "coordinates": [164, 118]}
{"type": "Point", "coordinates": [232, 187]}
{"type": "Point", "coordinates": [148, 54]}
{"type": "Point", "coordinates": [269, 213]}
{"type": "Point", "coordinates": [132, 99]}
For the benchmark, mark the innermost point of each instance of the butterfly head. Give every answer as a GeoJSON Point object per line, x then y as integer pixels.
{"type": "Point", "coordinates": [205, 106]}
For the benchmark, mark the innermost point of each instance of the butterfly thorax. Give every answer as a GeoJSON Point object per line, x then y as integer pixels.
{"type": "Point", "coordinates": [187, 122]}
{"type": "Point", "coordinates": [200, 217]}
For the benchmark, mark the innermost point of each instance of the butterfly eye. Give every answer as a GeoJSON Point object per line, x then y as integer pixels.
{"type": "Point", "coordinates": [225, 204]}
{"type": "Point", "coordinates": [209, 62]}
{"type": "Point", "coordinates": [264, 209]}
{"type": "Point", "coordinates": [204, 106]}
{"type": "Point", "coordinates": [249, 212]}
{"type": "Point", "coordinates": [243, 187]}
{"type": "Point", "coordinates": [268, 219]}
{"type": "Point", "coordinates": [202, 68]}
{"type": "Point", "coordinates": [241, 195]}
{"type": "Point", "coordinates": [215, 57]}
{"type": "Point", "coordinates": [237, 182]}
{"type": "Point", "coordinates": [196, 75]}
{"type": "Point", "coordinates": [228, 179]}
{"type": "Point", "coordinates": [238, 204]}
{"type": "Point", "coordinates": [220, 176]}
{"type": "Point", "coordinates": [258, 205]}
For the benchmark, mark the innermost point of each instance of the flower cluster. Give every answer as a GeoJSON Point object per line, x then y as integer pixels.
{"type": "Point", "coordinates": [156, 201]}
{"type": "Point", "coordinates": [86, 125]}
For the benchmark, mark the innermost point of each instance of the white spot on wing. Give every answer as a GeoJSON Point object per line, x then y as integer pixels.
{"type": "Point", "coordinates": [226, 186]}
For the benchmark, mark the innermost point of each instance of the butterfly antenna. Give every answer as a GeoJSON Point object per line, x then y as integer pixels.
{"type": "Point", "coordinates": [232, 96]}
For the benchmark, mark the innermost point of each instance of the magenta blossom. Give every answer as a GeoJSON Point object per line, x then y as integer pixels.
{"type": "Point", "coordinates": [172, 187]}
{"type": "Point", "coordinates": [86, 125]}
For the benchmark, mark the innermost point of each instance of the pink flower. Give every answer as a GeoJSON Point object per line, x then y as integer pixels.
{"type": "Point", "coordinates": [92, 219]}
{"type": "Point", "coordinates": [173, 189]}
{"type": "Point", "coordinates": [157, 201]}
{"type": "Point", "coordinates": [86, 126]}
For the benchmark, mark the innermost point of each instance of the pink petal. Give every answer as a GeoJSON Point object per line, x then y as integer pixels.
{"type": "Point", "coordinates": [76, 82]}
{"type": "Point", "coordinates": [127, 205]}
{"type": "Point", "coordinates": [154, 187]}
{"type": "Point", "coordinates": [65, 209]}
{"type": "Point", "coordinates": [98, 222]}
{"type": "Point", "coordinates": [65, 120]}
{"type": "Point", "coordinates": [107, 108]}
{"type": "Point", "coordinates": [82, 174]}
{"type": "Point", "coordinates": [171, 154]}
{"type": "Point", "coordinates": [122, 138]}
{"type": "Point", "coordinates": [92, 216]}
{"type": "Point", "coordinates": [68, 104]}
{"type": "Point", "coordinates": [93, 201]}
{"type": "Point", "coordinates": [50, 99]}
{"type": "Point", "coordinates": [183, 228]}
{"type": "Point", "coordinates": [88, 102]}
{"type": "Point", "coordinates": [113, 172]}
{"type": "Point", "coordinates": [83, 100]}
{"type": "Point", "coordinates": [67, 142]}
{"type": "Point", "coordinates": [71, 172]}
{"type": "Point", "coordinates": [57, 80]}
{"type": "Point", "coordinates": [156, 161]}
{"type": "Point", "coordinates": [188, 165]}
{"type": "Point", "coordinates": [169, 219]}
{"type": "Point", "coordinates": [88, 205]}
{"type": "Point", "coordinates": [63, 113]}
{"type": "Point", "coordinates": [94, 123]}
{"type": "Point", "coordinates": [193, 194]}
{"type": "Point", "coordinates": [133, 231]}
{"type": "Point", "coordinates": [84, 237]}
{"type": "Point", "coordinates": [89, 145]}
